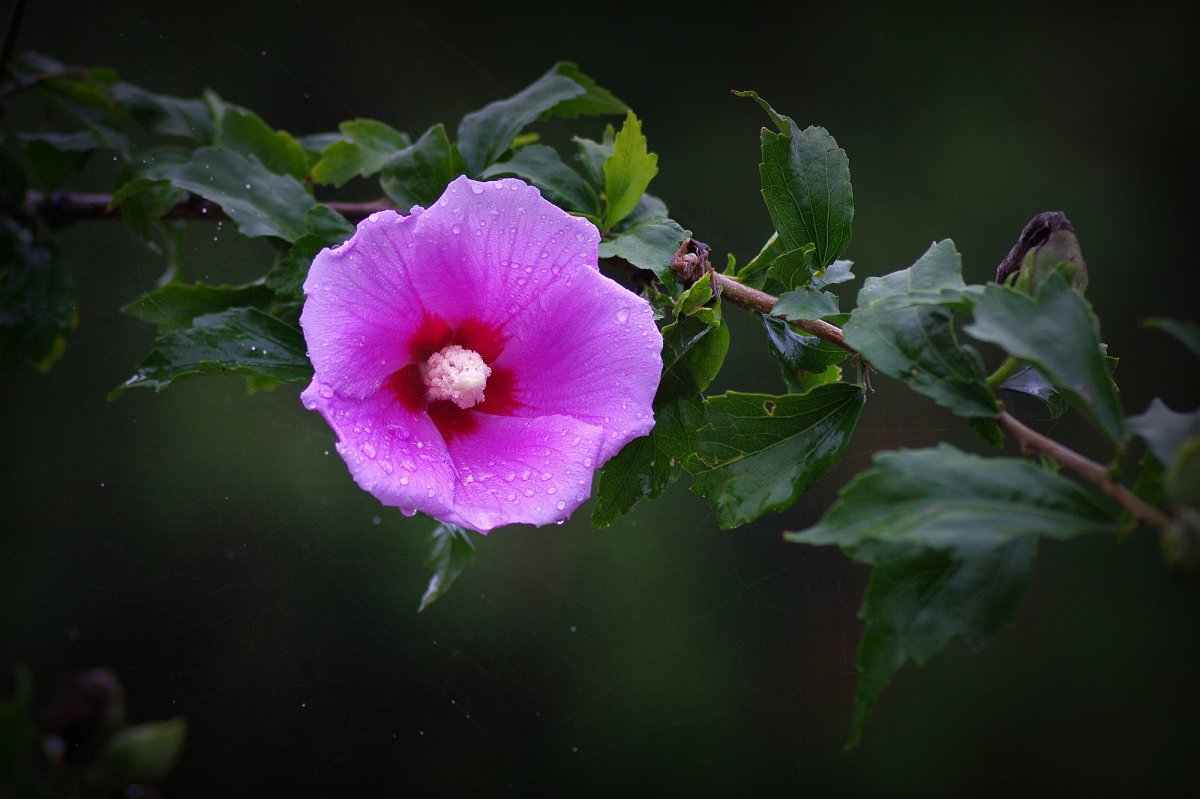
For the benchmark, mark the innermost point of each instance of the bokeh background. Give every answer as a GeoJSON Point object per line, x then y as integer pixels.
{"type": "Point", "coordinates": [208, 547]}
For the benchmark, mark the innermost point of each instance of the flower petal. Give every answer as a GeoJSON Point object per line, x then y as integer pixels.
{"type": "Point", "coordinates": [514, 470]}
{"type": "Point", "coordinates": [361, 311]}
{"type": "Point", "coordinates": [393, 453]}
{"type": "Point", "coordinates": [591, 350]}
{"type": "Point", "coordinates": [491, 249]}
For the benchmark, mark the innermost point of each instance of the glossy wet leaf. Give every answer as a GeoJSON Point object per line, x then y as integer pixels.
{"type": "Point", "coordinates": [759, 452]}
{"type": "Point", "coordinates": [627, 172]}
{"type": "Point", "coordinates": [648, 244]}
{"type": "Point", "coordinates": [236, 341]}
{"type": "Point", "coordinates": [595, 100]}
{"type": "Point", "coordinates": [805, 303]}
{"type": "Point", "coordinates": [174, 305]}
{"type": "Point", "coordinates": [418, 174]}
{"type": "Point", "coordinates": [904, 327]}
{"type": "Point", "coordinates": [451, 551]}
{"type": "Point", "coordinates": [918, 600]}
{"type": "Point", "coordinates": [806, 185]}
{"type": "Point", "coordinates": [945, 499]}
{"type": "Point", "coordinates": [804, 361]}
{"type": "Point", "coordinates": [559, 183]}
{"type": "Point", "coordinates": [161, 113]}
{"type": "Point", "coordinates": [1058, 333]}
{"type": "Point", "coordinates": [366, 147]}
{"type": "Point", "coordinates": [485, 135]}
{"type": "Point", "coordinates": [247, 133]}
{"type": "Point", "coordinates": [259, 201]}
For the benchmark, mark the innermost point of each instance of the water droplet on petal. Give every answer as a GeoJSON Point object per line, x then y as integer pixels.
{"type": "Point", "coordinates": [623, 315]}
{"type": "Point", "coordinates": [368, 449]}
{"type": "Point", "coordinates": [561, 505]}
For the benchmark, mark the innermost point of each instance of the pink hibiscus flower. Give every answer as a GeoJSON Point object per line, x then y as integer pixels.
{"type": "Point", "coordinates": [473, 361]}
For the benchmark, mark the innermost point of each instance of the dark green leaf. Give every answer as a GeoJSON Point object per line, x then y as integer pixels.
{"type": "Point", "coordinates": [260, 202]}
{"type": "Point", "coordinates": [593, 155]}
{"type": "Point", "coordinates": [174, 305]}
{"type": "Point", "coordinates": [37, 305]}
{"type": "Point", "coordinates": [904, 327]}
{"type": "Point", "coordinates": [245, 132]}
{"type": "Point", "coordinates": [918, 600]}
{"type": "Point", "coordinates": [801, 358]}
{"type": "Point", "coordinates": [795, 268]}
{"type": "Point", "coordinates": [836, 272]}
{"type": "Point", "coordinates": [1187, 333]}
{"type": "Point", "coordinates": [805, 303]}
{"type": "Point", "coordinates": [484, 135]}
{"type": "Point", "coordinates": [692, 355]}
{"type": "Point", "coordinates": [239, 340]}
{"type": "Point", "coordinates": [144, 753]}
{"type": "Point", "coordinates": [541, 166]}
{"type": "Point", "coordinates": [171, 116]}
{"type": "Point", "coordinates": [647, 465]}
{"type": "Point", "coordinates": [367, 146]}
{"type": "Point", "coordinates": [806, 184]}
{"type": "Point", "coordinates": [1164, 430]}
{"type": "Point", "coordinates": [754, 273]}
{"type": "Point", "coordinates": [287, 277]}
{"type": "Point", "coordinates": [627, 172]}
{"type": "Point", "coordinates": [648, 207]}
{"type": "Point", "coordinates": [594, 101]}
{"type": "Point", "coordinates": [418, 174]}
{"type": "Point", "coordinates": [1058, 333]}
{"type": "Point", "coordinates": [759, 452]}
{"type": "Point", "coordinates": [947, 500]}
{"type": "Point", "coordinates": [450, 552]}
{"type": "Point", "coordinates": [648, 244]}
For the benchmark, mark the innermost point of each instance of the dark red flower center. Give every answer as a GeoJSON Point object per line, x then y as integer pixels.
{"type": "Point", "coordinates": [434, 334]}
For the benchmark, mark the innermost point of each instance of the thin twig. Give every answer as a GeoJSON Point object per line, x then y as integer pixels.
{"type": "Point", "coordinates": [1032, 441]}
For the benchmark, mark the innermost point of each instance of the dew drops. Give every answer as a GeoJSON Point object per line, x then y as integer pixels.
{"type": "Point", "coordinates": [529, 492]}
{"type": "Point", "coordinates": [623, 315]}
{"type": "Point", "coordinates": [368, 449]}
{"type": "Point", "coordinates": [561, 505]}
{"type": "Point", "coordinates": [456, 229]}
{"type": "Point", "coordinates": [404, 479]}
{"type": "Point", "coordinates": [376, 520]}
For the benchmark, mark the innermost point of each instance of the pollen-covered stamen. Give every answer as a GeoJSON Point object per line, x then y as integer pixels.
{"type": "Point", "coordinates": [456, 374]}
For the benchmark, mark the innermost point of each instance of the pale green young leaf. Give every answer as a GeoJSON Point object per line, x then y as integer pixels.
{"type": "Point", "coordinates": [627, 172]}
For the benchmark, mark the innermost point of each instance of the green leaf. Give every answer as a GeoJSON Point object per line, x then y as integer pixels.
{"type": "Point", "coordinates": [947, 500]}
{"type": "Point", "coordinates": [541, 166]}
{"type": "Point", "coordinates": [647, 465]}
{"type": "Point", "coordinates": [648, 244]}
{"type": "Point", "coordinates": [627, 172]}
{"type": "Point", "coordinates": [260, 202]}
{"type": "Point", "coordinates": [595, 100]}
{"type": "Point", "coordinates": [806, 185]}
{"type": "Point", "coordinates": [173, 306]}
{"type": "Point", "coordinates": [161, 113]}
{"type": "Point", "coordinates": [451, 552]}
{"type": "Point", "coordinates": [367, 147]}
{"type": "Point", "coordinates": [37, 305]}
{"type": "Point", "coordinates": [1058, 333]}
{"type": "Point", "coordinates": [804, 360]}
{"type": "Point", "coordinates": [418, 174]}
{"type": "Point", "coordinates": [805, 303]}
{"type": "Point", "coordinates": [245, 132]}
{"type": "Point", "coordinates": [836, 272]}
{"type": "Point", "coordinates": [485, 135]}
{"type": "Point", "coordinates": [1059, 253]}
{"type": "Point", "coordinates": [918, 600]}
{"type": "Point", "coordinates": [593, 154]}
{"type": "Point", "coordinates": [1187, 333]}
{"type": "Point", "coordinates": [795, 268]}
{"type": "Point", "coordinates": [755, 272]}
{"type": "Point", "coordinates": [144, 753]}
{"type": "Point", "coordinates": [238, 340]}
{"type": "Point", "coordinates": [53, 158]}
{"type": "Point", "coordinates": [904, 327]}
{"type": "Point", "coordinates": [1164, 430]}
{"type": "Point", "coordinates": [693, 353]}
{"type": "Point", "coordinates": [759, 452]}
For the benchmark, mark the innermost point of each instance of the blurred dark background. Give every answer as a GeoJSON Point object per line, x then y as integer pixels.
{"type": "Point", "coordinates": [211, 549]}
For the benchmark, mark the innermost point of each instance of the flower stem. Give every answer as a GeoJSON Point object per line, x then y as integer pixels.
{"type": "Point", "coordinates": [1005, 371]}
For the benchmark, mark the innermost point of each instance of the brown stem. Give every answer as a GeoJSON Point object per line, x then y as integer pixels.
{"type": "Point", "coordinates": [1032, 441]}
